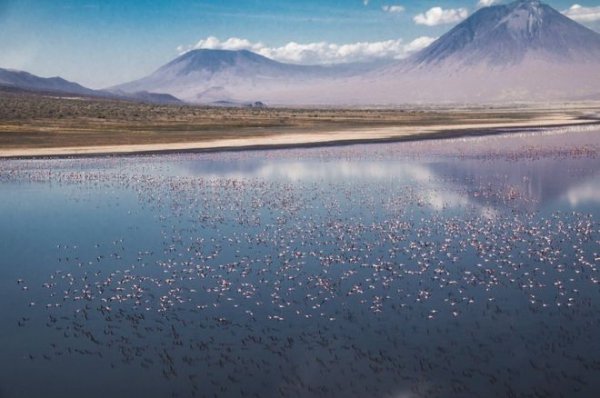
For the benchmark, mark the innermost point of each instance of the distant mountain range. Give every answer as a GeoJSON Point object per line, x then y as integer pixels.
{"type": "Point", "coordinates": [522, 51]}
{"type": "Point", "coordinates": [26, 82]}
{"type": "Point", "coordinates": [214, 76]}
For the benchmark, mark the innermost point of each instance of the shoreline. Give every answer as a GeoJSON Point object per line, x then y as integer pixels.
{"type": "Point", "coordinates": [309, 139]}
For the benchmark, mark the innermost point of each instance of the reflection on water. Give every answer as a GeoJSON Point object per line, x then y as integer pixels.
{"type": "Point", "coordinates": [540, 182]}
{"type": "Point", "coordinates": [302, 170]}
{"type": "Point", "coordinates": [446, 268]}
{"type": "Point", "coordinates": [584, 193]}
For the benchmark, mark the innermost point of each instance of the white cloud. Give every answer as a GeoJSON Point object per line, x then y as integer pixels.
{"type": "Point", "coordinates": [319, 52]}
{"type": "Point", "coordinates": [233, 43]}
{"type": "Point", "coordinates": [438, 16]}
{"type": "Point", "coordinates": [486, 3]}
{"type": "Point", "coordinates": [583, 14]}
{"type": "Point", "coordinates": [395, 9]}
{"type": "Point", "coordinates": [419, 43]}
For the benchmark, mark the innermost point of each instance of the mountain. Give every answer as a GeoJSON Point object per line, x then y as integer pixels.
{"type": "Point", "coordinates": [27, 81]}
{"type": "Point", "coordinates": [509, 34]}
{"type": "Point", "coordinates": [20, 81]}
{"type": "Point", "coordinates": [521, 51]}
{"type": "Point", "coordinates": [216, 76]}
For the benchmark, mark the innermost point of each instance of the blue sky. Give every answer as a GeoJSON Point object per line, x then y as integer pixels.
{"type": "Point", "coordinates": [99, 43]}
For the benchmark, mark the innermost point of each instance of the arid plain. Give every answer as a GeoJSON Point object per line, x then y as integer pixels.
{"type": "Point", "coordinates": [45, 125]}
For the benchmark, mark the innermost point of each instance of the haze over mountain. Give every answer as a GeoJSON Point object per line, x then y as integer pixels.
{"type": "Point", "coordinates": [27, 81]}
{"type": "Point", "coordinates": [24, 81]}
{"type": "Point", "coordinates": [209, 76]}
{"type": "Point", "coordinates": [522, 51]}
{"type": "Point", "coordinates": [506, 35]}
{"type": "Point", "coordinates": [525, 50]}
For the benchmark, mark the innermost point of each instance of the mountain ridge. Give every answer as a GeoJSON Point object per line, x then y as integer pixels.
{"type": "Point", "coordinates": [28, 82]}
{"type": "Point", "coordinates": [524, 50]}
{"type": "Point", "coordinates": [210, 76]}
{"type": "Point", "coordinates": [521, 51]}
{"type": "Point", "coordinates": [506, 33]}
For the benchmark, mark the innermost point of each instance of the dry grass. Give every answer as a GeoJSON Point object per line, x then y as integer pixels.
{"type": "Point", "coordinates": [35, 121]}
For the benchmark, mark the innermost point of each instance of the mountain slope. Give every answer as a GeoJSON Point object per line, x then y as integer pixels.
{"type": "Point", "coordinates": [24, 80]}
{"type": "Point", "coordinates": [507, 34]}
{"type": "Point", "coordinates": [522, 51]}
{"type": "Point", "coordinates": [27, 82]}
{"type": "Point", "coordinates": [208, 76]}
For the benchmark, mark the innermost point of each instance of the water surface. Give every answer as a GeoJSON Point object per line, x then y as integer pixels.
{"type": "Point", "coordinates": [464, 267]}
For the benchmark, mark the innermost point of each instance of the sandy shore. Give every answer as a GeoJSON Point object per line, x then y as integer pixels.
{"type": "Point", "coordinates": [309, 138]}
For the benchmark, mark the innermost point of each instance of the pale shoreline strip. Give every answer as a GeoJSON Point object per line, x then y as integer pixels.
{"type": "Point", "coordinates": [291, 140]}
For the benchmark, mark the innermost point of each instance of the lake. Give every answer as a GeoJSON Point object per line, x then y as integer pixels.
{"type": "Point", "coordinates": [463, 267]}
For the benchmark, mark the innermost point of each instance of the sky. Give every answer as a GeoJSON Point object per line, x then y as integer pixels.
{"type": "Point", "coordinates": [100, 43]}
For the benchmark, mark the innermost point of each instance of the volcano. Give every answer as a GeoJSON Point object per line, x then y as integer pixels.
{"type": "Point", "coordinates": [505, 35]}
{"type": "Point", "coordinates": [522, 51]}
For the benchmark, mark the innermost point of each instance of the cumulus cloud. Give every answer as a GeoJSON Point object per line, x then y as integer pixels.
{"type": "Point", "coordinates": [438, 16]}
{"type": "Point", "coordinates": [233, 43]}
{"type": "Point", "coordinates": [486, 3]}
{"type": "Point", "coordinates": [419, 43]}
{"type": "Point", "coordinates": [319, 52]}
{"type": "Point", "coordinates": [393, 9]}
{"type": "Point", "coordinates": [583, 14]}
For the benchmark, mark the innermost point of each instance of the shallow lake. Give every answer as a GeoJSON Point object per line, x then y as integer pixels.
{"type": "Point", "coordinates": [463, 267]}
